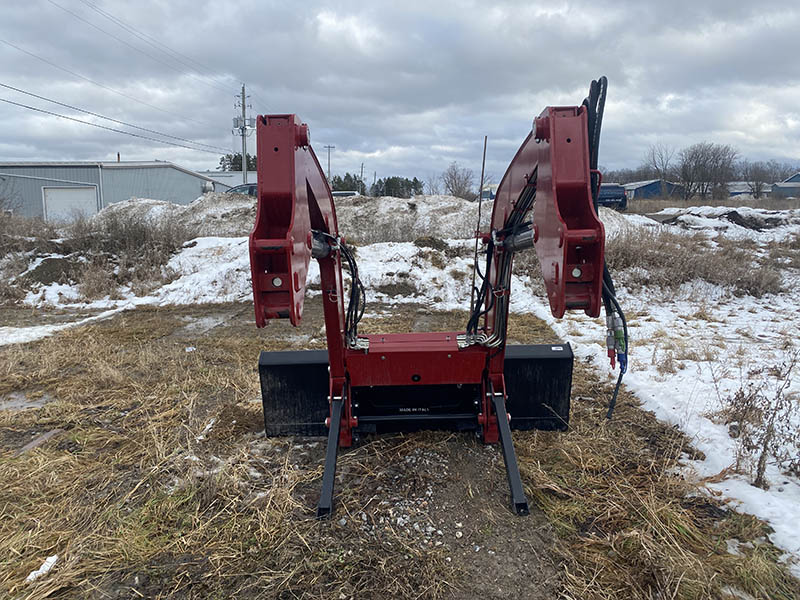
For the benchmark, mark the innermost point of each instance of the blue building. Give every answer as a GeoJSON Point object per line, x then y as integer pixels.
{"type": "Point", "coordinates": [58, 191]}
{"type": "Point", "coordinates": [639, 190]}
{"type": "Point", "coordinates": [788, 188]}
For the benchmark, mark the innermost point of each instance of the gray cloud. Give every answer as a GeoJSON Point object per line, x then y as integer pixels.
{"type": "Point", "coordinates": [407, 87]}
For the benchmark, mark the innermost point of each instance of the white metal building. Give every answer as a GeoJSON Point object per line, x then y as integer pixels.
{"type": "Point", "coordinates": [58, 191]}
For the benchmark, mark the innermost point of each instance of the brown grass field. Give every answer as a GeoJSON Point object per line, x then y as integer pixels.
{"type": "Point", "coordinates": [158, 483]}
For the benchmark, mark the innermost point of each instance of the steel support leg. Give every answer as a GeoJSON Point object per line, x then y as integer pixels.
{"type": "Point", "coordinates": [325, 506]}
{"type": "Point", "coordinates": [518, 501]}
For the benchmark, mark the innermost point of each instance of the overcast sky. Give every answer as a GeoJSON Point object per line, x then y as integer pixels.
{"type": "Point", "coordinates": [404, 87]}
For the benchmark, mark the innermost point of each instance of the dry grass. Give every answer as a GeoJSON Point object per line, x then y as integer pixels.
{"type": "Point", "coordinates": [18, 234]}
{"type": "Point", "coordinates": [138, 246]}
{"type": "Point", "coordinates": [653, 205]}
{"type": "Point", "coordinates": [131, 491]}
{"type": "Point", "coordinates": [632, 527]}
{"type": "Point", "coordinates": [134, 496]}
{"type": "Point", "coordinates": [785, 254]}
{"type": "Point", "coordinates": [96, 280]}
{"type": "Point", "coordinates": [664, 259]}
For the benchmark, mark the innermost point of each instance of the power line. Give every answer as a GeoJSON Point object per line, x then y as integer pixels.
{"type": "Point", "coordinates": [159, 45]}
{"type": "Point", "coordinates": [150, 40]}
{"type": "Point", "coordinates": [94, 114]}
{"type": "Point", "coordinates": [139, 50]}
{"type": "Point", "coordinates": [105, 87]}
{"type": "Point", "coordinates": [136, 135]}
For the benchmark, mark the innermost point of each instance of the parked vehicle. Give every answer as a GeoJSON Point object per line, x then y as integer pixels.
{"type": "Point", "coordinates": [248, 189]}
{"type": "Point", "coordinates": [612, 195]}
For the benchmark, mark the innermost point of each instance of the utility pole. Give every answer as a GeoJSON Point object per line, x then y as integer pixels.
{"type": "Point", "coordinates": [329, 148]}
{"type": "Point", "coordinates": [361, 178]}
{"type": "Point", "coordinates": [244, 136]}
{"type": "Point", "coordinates": [241, 126]}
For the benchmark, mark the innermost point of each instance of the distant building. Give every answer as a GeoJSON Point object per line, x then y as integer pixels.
{"type": "Point", "coordinates": [788, 188]}
{"type": "Point", "coordinates": [743, 188]}
{"type": "Point", "coordinates": [489, 191]}
{"type": "Point", "coordinates": [793, 179]}
{"type": "Point", "coordinates": [651, 188]}
{"type": "Point", "coordinates": [57, 191]}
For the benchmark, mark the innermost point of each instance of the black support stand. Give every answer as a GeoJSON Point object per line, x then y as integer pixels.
{"type": "Point", "coordinates": [325, 506]}
{"type": "Point", "coordinates": [518, 501]}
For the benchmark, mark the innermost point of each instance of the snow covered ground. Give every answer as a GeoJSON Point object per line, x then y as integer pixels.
{"type": "Point", "coordinates": [690, 349]}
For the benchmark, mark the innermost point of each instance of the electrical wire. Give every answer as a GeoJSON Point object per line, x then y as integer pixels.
{"type": "Point", "coordinates": [154, 43]}
{"type": "Point", "coordinates": [100, 85]}
{"type": "Point", "coordinates": [94, 114]}
{"type": "Point", "coordinates": [135, 49]}
{"type": "Point", "coordinates": [136, 135]}
{"type": "Point", "coordinates": [174, 54]}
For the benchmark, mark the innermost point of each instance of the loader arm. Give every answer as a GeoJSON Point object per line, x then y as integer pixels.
{"type": "Point", "coordinates": [453, 380]}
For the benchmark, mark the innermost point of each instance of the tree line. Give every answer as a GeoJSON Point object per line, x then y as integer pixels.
{"type": "Point", "coordinates": [454, 181]}
{"type": "Point", "coordinates": [704, 169]}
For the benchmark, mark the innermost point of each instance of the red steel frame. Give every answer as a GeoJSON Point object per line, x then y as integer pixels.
{"type": "Point", "coordinates": [294, 198]}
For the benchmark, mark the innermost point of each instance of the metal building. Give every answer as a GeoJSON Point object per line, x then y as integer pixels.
{"type": "Point", "coordinates": [788, 188]}
{"type": "Point", "coordinates": [652, 189]}
{"type": "Point", "coordinates": [57, 191]}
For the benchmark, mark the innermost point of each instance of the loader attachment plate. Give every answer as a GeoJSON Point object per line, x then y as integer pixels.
{"type": "Point", "coordinates": [295, 384]}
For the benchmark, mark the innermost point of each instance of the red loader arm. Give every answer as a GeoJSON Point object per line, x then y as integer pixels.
{"type": "Point", "coordinates": [293, 199]}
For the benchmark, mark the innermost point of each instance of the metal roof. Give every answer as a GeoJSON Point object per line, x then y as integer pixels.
{"type": "Point", "coordinates": [638, 184]}
{"type": "Point", "coordinates": [125, 164]}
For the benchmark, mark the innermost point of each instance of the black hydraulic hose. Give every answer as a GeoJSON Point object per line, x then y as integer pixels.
{"type": "Point", "coordinates": [613, 299]}
{"type": "Point", "coordinates": [595, 104]}
{"type": "Point", "coordinates": [357, 297]}
{"type": "Point", "coordinates": [472, 324]}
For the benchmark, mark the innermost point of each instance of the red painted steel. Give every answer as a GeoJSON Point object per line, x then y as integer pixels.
{"type": "Point", "coordinates": [294, 198]}
{"type": "Point", "coordinates": [415, 359]}
{"type": "Point", "coordinates": [571, 238]}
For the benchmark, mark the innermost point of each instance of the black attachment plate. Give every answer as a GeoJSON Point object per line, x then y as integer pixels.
{"type": "Point", "coordinates": [538, 381]}
{"type": "Point", "coordinates": [294, 392]}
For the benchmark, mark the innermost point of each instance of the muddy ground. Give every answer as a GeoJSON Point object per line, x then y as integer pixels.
{"type": "Point", "coordinates": [141, 462]}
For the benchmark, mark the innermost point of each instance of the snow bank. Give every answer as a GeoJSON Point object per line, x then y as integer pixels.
{"type": "Point", "coordinates": [213, 214]}
{"type": "Point", "coordinates": [737, 222]}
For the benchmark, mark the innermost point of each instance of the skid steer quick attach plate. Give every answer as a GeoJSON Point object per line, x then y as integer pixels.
{"type": "Point", "coordinates": [294, 390]}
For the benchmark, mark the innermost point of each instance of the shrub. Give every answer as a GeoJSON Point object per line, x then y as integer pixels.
{"type": "Point", "coordinates": [139, 247]}
{"type": "Point", "coordinates": [762, 417]}
{"type": "Point", "coordinates": [96, 280]}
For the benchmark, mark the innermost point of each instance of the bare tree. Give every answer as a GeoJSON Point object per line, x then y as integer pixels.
{"type": "Point", "coordinates": [757, 175]}
{"type": "Point", "coordinates": [780, 171]}
{"type": "Point", "coordinates": [432, 184]}
{"type": "Point", "coordinates": [705, 168]}
{"type": "Point", "coordinates": [459, 182]}
{"type": "Point", "coordinates": [659, 158]}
